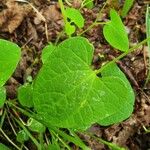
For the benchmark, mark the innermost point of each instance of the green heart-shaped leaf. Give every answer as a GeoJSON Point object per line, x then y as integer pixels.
{"type": "Point", "coordinates": [68, 93]}
{"type": "Point", "coordinates": [69, 29]}
{"type": "Point", "coordinates": [75, 16]}
{"type": "Point", "coordinates": [9, 57]}
{"type": "Point", "coordinates": [115, 33]}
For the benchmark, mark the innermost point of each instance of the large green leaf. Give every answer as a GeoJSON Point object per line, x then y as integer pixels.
{"type": "Point", "coordinates": [68, 93]}
{"type": "Point", "coordinates": [9, 58]}
{"type": "Point", "coordinates": [115, 33]}
{"type": "Point", "coordinates": [114, 71]}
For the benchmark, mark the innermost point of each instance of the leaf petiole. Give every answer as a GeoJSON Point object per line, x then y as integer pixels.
{"type": "Point", "coordinates": [122, 55]}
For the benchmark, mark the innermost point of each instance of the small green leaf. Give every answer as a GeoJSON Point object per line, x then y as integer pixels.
{"type": "Point", "coordinates": [36, 126]}
{"type": "Point", "coordinates": [25, 95]}
{"type": "Point", "coordinates": [3, 147]}
{"type": "Point", "coordinates": [2, 96]}
{"type": "Point", "coordinates": [89, 4]}
{"type": "Point", "coordinates": [115, 33]}
{"type": "Point", "coordinates": [22, 136]}
{"type": "Point", "coordinates": [68, 93]}
{"type": "Point", "coordinates": [47, 50]}
{"type": "Point", "coordinates": [126, 7]}
{"type": "Point", "coordinates": [9, 57]}
{"type": "Point", "coordinates": [75, 16]}
{"type": "Point", "coordinates": [69, 29]}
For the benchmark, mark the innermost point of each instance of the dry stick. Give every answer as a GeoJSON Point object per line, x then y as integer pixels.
{"type": "Point", "coordinates": [9, 140]}
{"type": "Point", "coordinates": [39, 15]}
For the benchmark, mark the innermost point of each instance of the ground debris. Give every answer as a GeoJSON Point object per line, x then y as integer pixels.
{"type": "Point", "coordinates": [12, 16]}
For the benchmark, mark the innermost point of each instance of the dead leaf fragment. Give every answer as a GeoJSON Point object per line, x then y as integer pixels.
{"type": "Point", "coordinates": [12, 17]}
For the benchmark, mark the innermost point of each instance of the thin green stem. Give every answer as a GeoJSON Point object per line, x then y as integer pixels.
{"type": "Point", "coordinates": [122, 55]}
{"type": "Point", "coordinates": [41, 139]}
{"type": "Point", "coordinates": [29, 114]}
{"type": "Point", "coordinates": [52, 132]}
{"type": "Point", "coordinates": [91, 26]}
{"type": "Point", "coordinates": [71, 139]}
{"type": "Point", "coordinates": [9, 140]}
{"type": "Point", "coordinates": [76, 136]}
{"type": "Point", "coordinates": [63, 11]}
{"type": "Point", "coordinates": [96, 22]}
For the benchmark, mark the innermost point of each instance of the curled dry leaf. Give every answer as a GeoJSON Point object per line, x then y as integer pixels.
{"type": "Point", "coordinates": [12, 17]}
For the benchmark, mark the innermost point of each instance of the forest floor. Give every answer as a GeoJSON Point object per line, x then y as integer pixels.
{"type": "Point", "coordinates": [20, 23]}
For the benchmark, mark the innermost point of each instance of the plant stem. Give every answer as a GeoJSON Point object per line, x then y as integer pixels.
{"type": "Point", "coordinates": [71, 139]}
{"type": "Point", "coordinates": [29, 114]}
{"type": "Point", "coordinates": [9, 140]}
{"type": "Point", "coordinates": [96, 22]}
{"type": "Point", "coordinates": [63, 10]}
{"type": "Point", "coordinates": [122, 55]}
{"type": "Point", "coordinates": [41, 139]}
{"type": "Point", "coordinates": [91, 26]}
{"type": "Point", "coordinates": [52, 132]}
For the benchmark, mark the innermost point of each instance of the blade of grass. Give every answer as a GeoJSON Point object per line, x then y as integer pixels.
{"type": "Point", "coordinates": [126, 7]}
{"type": "Point", "coordinates": [148, 42]}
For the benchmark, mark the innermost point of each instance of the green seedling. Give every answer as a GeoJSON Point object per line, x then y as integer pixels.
{"type": "Point", "coordinates": [115, 33]}
{"type": "Point", "coordinates": [67, 90]}
{"type": "Point", "coordinates": [22, 136]}
{"type": "Point", "coordinates": [126, 7]}
{"type": "Point", "coordinates": [72, 19]}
